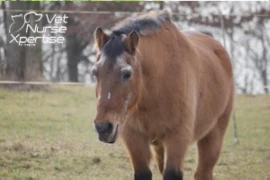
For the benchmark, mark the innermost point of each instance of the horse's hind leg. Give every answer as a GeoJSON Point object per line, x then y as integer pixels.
{"type": "Point", "coordinates": [159, 155]}
{"type": "Point", "coordinates": [209, 149]}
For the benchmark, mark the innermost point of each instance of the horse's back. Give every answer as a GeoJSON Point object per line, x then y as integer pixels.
{"type": "Point", "coordinates": [212, 55]}
{"type": "Point", "coordinates": [206, 44]}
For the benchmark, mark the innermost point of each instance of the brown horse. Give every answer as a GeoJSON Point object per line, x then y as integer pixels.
{"type": "Point", "coordinates": [161, 87]}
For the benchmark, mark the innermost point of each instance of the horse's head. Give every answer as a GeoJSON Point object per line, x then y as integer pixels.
{"type": "Point", "coordinates": [118, 81]}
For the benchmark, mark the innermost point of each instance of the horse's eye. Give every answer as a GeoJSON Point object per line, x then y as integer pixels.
{"type": "Point", "coordinates": [94, 71]}
{"type": "Point", "coordinates": [126, 74]}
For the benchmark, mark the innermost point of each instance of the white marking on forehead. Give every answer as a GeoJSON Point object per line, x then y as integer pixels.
{"type": "Point", "coordinates": [119, 59]}
{"type": "Point", "coordinates": [109, 95]}
{"type": "Point", "coordinates": [126, 103]}
{"type": "Point", "coordinates": [103, 58]}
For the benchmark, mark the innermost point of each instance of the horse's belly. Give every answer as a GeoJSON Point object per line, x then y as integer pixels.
{"type": "Point", "coordinates": [203, 126]}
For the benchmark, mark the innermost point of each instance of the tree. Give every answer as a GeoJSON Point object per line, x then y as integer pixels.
{"type": "Point", "coordinates": [22, 62]}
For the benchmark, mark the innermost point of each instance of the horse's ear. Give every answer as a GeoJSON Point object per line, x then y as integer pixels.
{"type": "Point", "coordinates": [131, 42]}
{"type": "Point", "coordinates": [100, 38]}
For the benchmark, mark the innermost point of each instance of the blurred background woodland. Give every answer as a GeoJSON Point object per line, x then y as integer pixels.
{"type": "Point", "coordinates": [243, 26]}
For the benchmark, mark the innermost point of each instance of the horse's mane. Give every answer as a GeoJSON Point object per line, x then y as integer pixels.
{"type": "Point", "coordinates": [144, 24]}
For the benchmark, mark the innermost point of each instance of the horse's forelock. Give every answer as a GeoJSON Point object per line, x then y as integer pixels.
{"type": "Point", "coordinates": [114, 47]}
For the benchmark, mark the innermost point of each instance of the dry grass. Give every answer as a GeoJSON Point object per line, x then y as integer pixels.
{"type": "Point", "coordinates": [49, 135]}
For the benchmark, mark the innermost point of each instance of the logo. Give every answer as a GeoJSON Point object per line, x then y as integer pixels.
{"type": "Point", "coordinates": [51, 33]}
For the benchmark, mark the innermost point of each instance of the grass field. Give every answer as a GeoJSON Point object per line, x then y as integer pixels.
{"type": "Point", "coordinates": [49, 135]}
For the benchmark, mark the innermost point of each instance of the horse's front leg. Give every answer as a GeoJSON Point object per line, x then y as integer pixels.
{"type": "Point", "coordinates": [139, 150]}
{"type": "Point", "coordinates": [175, 147]}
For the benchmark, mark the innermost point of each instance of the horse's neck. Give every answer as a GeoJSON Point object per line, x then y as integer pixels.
{"type": "Point", "coordinates": [159, 58]}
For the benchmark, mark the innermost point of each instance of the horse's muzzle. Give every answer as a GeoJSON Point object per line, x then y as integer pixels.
{"type": "Point", "coordinates": [106, 132]}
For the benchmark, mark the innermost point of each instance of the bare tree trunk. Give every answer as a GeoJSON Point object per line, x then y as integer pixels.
{"type": "Point", "coordinates": [23, 62]}
{"type": "Point", "coordinates": [33, 62]}
{"type": "Point", "coordinates": [263, 64]}
{"type": "Point", "coordinates": [72, 72]}
{"type": "Point", "coordinates": [161, 5]}
{"type": "Point", "coordinates": [15, 54]}
{"type": "Point", "coordinates": [264, 74]}
{"type": "Point", "coordinates": [73, 54]}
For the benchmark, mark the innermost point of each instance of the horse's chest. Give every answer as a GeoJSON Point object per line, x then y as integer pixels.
{"type": "Point", "coordinates": [151, 127]}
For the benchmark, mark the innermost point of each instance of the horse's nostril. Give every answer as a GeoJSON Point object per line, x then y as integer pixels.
{"type": "Point", "coordinates": [104, 128]}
